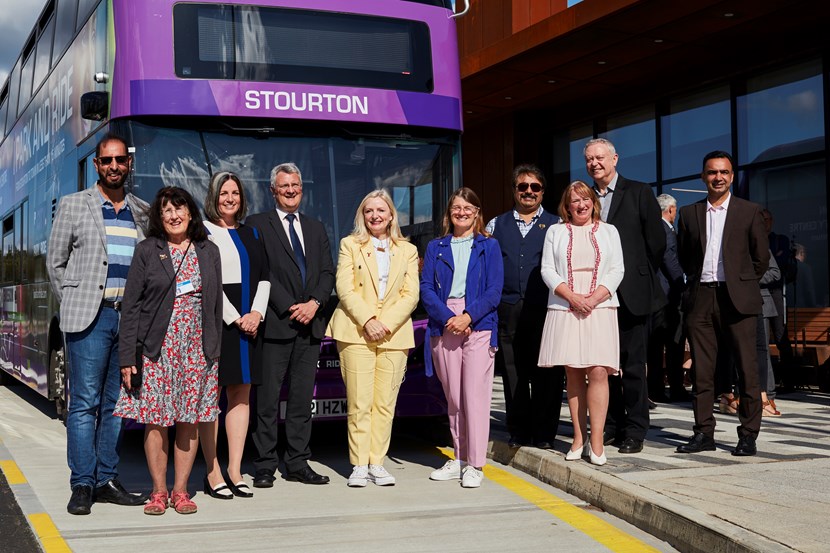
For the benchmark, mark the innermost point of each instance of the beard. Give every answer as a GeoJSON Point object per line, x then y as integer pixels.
{"type": "Point", "coordinates": [112, 185]}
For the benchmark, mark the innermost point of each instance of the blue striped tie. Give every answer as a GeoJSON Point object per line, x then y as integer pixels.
{"type": "Point", "coordinates": [295, 243]}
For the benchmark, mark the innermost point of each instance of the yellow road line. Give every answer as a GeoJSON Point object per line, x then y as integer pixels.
{"type": "Point", "coordinates": [12, 472]}
{"type": "Point", "coordinates": [50, 537]}
{"type": "Point", "coordinates": [594, 527]}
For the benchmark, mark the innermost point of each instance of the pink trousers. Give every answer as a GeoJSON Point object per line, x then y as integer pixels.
{"type": "Point", "coordinates": [464, 365]}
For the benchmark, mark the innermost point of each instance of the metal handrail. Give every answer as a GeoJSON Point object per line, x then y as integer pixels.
{"type": "Point", "coordinates": [462, 12]}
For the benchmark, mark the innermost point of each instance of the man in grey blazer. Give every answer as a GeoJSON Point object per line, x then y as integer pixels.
{"type": "Point", "coordinates": [724, 250]}
{"type": "Point", "coordinates": [90, 249]}
{"type": "Point", "coordinates": [302, 278]}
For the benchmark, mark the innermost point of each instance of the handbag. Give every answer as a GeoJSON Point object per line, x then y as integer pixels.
{"type": "Point", "coordinates": [136, 378]}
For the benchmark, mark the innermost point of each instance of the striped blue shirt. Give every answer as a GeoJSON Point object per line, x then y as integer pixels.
{"type": "Point", "coordinates": [122, 237]}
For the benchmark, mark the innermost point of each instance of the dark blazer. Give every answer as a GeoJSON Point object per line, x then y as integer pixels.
{"type": "Point", "coordinates": [745, 251]}
{"type": "Point", "coordinates": [636, 215]}
{"type": "Point", "coordinates": [287, 287]}
{"type": "Point", "coordinates": [149, 295]}
{"type": "Point", "coordinates": [670, 272]}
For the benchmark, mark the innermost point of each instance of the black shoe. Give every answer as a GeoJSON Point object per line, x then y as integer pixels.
{"type": "Point", "coordinates": [651, 404]}
{"type": "Point", "coordinates": [240, 489]}
{"type": "Point", "coordinates": [264, 478]}
{"type": "Point", "coordinates": [609, 438]}
{"type": "Point", "coordinates": [114, 492]}
{"type": "Point", "coordinates": [81, 501]}
{"type": "Point", "coordinates": [222, 491]}
{"type": "Point", "coordinates": [697, 443]}
{"type": "Point", "coordinates": [631, 445]}
{"type": "Point", "coordinates": [544, 444]}
{"type": "Point", "coordinates": [306, 475]}
{"type": "Point", "coordinates": [517, 441]}
{"type": "Point", "coordinates": [746, 447]}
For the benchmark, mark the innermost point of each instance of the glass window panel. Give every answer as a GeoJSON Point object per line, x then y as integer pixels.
{"type": "Point", "coordinates": [4, 108]}
{"type": "Point", "coordinates": [14, 88]}
{"type": "Point", "coordinates": [782, 114]}
{"type": "Point", "coordinates": [26, 81]}
{"type": "Point", "coordinates": [696, 124]}
{"type": "Point", "coordinates": [568, 159]}
{"type": "Point", "coordinates": [65, 29]}
{"type": "Point", "coordinates": [43, 54]}
{"type": "Point", "coordinates": [634, 137]}
{"type": "Point", "coordinates": [84, 9]}
{"type": "Point", "coordinates": [799, 213]}
{"type": "Point", "coordinates": [686, 192]}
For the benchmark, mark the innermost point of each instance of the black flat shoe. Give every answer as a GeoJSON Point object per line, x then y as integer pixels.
{"type": "Point", "coordinates": [746, 447]}
{"type": "Point", "coordinates": [222, 491]}
{"type": "Point", "coordinates": [306, 475]}
{"type": "Point", "coordinates": [81, 501]}
{"type": "Point", "coordinates": [240, 489]}
{"type": "Point", "coordinates": [114, 492]}
{"type": "Point", "coordinates": [697, 443]}
{"type": "Point", "coordinates": [631, 445]}
{"type": "Point", "coordinates": [264, 479]}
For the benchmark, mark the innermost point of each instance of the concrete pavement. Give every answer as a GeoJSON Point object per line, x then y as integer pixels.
{"type": "Point", "coordinates": [710, 502]}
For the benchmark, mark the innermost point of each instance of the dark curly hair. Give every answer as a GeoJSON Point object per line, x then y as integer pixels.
{"type": "Point", "coordinates": [178, 197]}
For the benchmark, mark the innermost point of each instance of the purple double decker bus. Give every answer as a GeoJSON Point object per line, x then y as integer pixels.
{"type": "Point", "coordinates": [360, 95]}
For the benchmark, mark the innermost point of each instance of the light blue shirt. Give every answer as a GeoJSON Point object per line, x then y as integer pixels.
{"type": "Point", "coordinates": [461, 250]}
{"type": "Point", "coordinates": [606, 199]}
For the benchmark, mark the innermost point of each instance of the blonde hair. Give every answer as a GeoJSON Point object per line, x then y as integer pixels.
{"type": "Point", "coordinates": [361, 234]}
{"type": "Point", "coordinates": [583, 191]}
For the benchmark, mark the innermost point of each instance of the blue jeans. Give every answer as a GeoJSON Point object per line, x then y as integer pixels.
{"type": "Point", "coordinates": [93, 434]}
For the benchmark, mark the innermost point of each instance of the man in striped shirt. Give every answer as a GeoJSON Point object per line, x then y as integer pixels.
{"type": "Point", "coordinates": [90, 250]}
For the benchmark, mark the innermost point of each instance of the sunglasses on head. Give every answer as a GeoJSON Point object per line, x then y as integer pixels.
{"type": "Point", "coordinates": [107, 160]}
{"type": "Point", "coordinates": [523, 186]}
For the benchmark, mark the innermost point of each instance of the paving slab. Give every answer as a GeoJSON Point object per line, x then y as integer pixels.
{"type": "Point", "coordinates": [710, 502]}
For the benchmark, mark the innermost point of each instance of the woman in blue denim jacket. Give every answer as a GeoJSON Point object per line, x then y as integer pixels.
{"type": "Point", "coordinates": [461, 286]}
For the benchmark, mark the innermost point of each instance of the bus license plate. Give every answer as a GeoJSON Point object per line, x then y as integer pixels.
{"type": "Point", "coordinates": [322, 408]}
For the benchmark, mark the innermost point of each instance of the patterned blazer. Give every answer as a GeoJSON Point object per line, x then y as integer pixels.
{"type": "Point", "coordinates": [76, 258]}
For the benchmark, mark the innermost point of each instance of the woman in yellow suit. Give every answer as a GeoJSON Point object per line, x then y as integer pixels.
{"type": "Point", "coordinates": [377, 283]}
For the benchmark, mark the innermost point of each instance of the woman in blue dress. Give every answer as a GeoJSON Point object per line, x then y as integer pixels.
{"type": "Point", "coordinates": [246, 289]}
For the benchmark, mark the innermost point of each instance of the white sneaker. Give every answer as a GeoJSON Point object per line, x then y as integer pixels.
{"type": "Point", "coordinates": [359, 477]}
{"type": "Point", "coordinates": [380, 476]}
{"type": "Point", "coordinates": [450, 471]}
{"type": "Point", "coordinates": [471, 477]}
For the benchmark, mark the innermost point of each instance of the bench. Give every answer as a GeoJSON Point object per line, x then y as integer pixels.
{"type": "Point", "coordinates": [809, 333]}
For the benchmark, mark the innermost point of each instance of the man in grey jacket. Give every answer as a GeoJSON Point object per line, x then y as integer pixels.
{"type": "Point", "coordinates": [89, 254]}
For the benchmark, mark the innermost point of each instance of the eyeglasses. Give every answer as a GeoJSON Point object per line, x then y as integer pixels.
{"type": "Point", "coordinates": [171, 212]}
{"type": "Point", "coordinates": [523, 186]}
{"type": "Point", "coordinates": [107, 160]}
{"type": "Point", "coordinates": [466, 210]}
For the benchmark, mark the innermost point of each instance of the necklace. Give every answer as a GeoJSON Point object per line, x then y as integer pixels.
{"type": "Point", "coordinates": [597, 257]}
{"type": "Point", "coordinates": [380, 245]}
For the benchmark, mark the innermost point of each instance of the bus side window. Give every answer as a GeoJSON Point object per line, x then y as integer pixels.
{"type": "Point", "coordinates": [89, 175]}
{"type": "Point", "coordinates": [84, 9]}
{"type": "Point", "coordinates": [65, 30]}
{"type": "Point", "coordinates": [4, 105]}
{"type": "Point", "coordinates": [23, 241]}
{"type": "Point", "coordinates": [9, 251]}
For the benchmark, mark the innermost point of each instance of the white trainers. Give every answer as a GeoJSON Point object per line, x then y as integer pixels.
{"type": "Point", "coordinates": [450, 471]}
{"type": "Point", "coordinates": [471, 477]}
{"type": "Point", "coordinates": [359, 477]}
{"type": "Point", "coordinates": [380, 476]}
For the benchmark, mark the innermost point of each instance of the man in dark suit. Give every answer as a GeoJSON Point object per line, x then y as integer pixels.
{"type": "Point", "coordinates": [302, 277]}
{"type": "Point", "coordinates": [724, 251]}
{"type": "Point", "coordinates": [631, 207]}
{"type": "Point", "coordinates": [666, 333]}
{"type": "Point", "coordinates": [532, 394]}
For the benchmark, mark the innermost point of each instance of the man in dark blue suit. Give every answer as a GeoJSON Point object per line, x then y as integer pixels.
{"type": "Point", "coordinates": [629, 206]}
{"type": "Point", "coordinates": [666, 331]}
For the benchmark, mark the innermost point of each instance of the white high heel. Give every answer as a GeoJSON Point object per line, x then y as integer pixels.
{"type": "Point", "coordinates": [598, 460]}
{"type": "Point", "coordinates": [584, 451]}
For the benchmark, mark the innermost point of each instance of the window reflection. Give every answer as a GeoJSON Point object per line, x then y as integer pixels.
{"type": "Point", "coordinates": [695, 125]}
{"type": "Point", "coordinates": [568, 157]}
{"type": "Point", "coordinates": [686, 192]}
{"type": "Point", "coordinates": [633, 135]}
{"type": "Point", "coordinates": [782, 114]}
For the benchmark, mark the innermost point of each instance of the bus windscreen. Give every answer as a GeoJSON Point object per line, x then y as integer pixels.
{"type": "Point", "coordinates": [250, 43]}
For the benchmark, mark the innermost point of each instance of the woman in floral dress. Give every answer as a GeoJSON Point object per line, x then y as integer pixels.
{"type": "Point", "coordinates": [172, 317]}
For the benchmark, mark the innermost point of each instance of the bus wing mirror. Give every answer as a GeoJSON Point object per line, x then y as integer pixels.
{"type": "Point", "coordinates": [94, 105]}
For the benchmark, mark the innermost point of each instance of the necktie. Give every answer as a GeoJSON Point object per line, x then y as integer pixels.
{"type": "Point", "coordinates": [299, 256]}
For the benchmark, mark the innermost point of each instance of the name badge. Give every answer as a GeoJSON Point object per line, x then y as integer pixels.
{"type": "Point", "coordinates": [184, 287]}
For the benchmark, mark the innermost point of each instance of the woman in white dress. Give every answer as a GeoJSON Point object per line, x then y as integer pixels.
{"type": "Point", "coordinates": [582, 265]}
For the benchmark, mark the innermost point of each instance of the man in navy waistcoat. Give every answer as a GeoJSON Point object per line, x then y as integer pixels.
{"type": "Point", "coordinates": [533, 394]}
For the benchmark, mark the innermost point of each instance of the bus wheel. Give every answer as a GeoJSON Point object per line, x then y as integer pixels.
{"type": "Point", "coordinates": [57, 369]}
